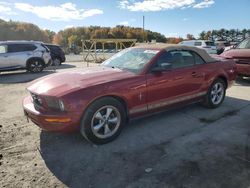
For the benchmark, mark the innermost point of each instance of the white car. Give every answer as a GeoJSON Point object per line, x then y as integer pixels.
{"type": "Point", "coordinates": [209, 46]}
{"type": "Point", "coordinates": [29, 55]}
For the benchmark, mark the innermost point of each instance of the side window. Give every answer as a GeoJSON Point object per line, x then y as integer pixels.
{"type": "Point", "coordinates": [198, 59]}
{"type": "Point", "coordinates": [12, 48]}
{"type": "Point", "coordinates": [3, 49]}
{"type": "Point", "coordinates": [197, 43]}
{"type": "Point", "coordinates": [30, 47]}
{"type": "Point", "coordinates": [165, 57]}
{"type": "Point", "coordinates": [182, 59]}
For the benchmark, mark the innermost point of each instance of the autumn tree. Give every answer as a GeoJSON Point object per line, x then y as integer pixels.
{"type": "Point", "coordinates": [21, 31]}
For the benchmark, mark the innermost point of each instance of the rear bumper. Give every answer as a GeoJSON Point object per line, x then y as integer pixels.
{"type": "Point", "coordinates": [243, 69]}
{"type": "Point", "coordinates": [48, 122]}
{"type": "Point", "coordinates": [63, 59]}
{"type": "Point", "coordinates": [48, 63]}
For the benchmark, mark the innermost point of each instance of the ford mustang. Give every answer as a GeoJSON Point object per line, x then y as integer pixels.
{"type": "Point", "coordinates": [148, 78]}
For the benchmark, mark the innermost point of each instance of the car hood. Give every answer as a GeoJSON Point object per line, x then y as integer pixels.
{"type": "Point", "coordinates": [60, 84]}
{"type": "Point", "coordinates": [237, 53]}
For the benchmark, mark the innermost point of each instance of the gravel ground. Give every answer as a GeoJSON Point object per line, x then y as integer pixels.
{"type": "Point", "coordinates": [190, 147]}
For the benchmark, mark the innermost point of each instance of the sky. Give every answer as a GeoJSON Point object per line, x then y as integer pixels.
{"type": "Point", "coordinates": [173, 18]}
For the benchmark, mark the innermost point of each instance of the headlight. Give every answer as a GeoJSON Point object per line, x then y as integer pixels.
{"type": "Point", "coordinates": [55, 104]}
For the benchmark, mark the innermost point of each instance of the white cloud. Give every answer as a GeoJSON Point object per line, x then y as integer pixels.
{"type": "Point", "coordinates": [185, 19]}
{"type": "Point", "coordinates": [91, 12]}
{"type": "Point", "coordinates": [158, 5]}
{"type": "Point", "coordinates": [68, 26]}
{"type": "Point", "coordinates": [154, 5]}
{"type": "Point", "coordinates": [63, 12]}
{"type": "Point", "coordinates": [124, 23]}
{"type": "Point", "coordinates": [204, 4]}
{"type": "Point", "coordinates": [127, 22]}
{"type": "Point", "coordinates": [6, 9]}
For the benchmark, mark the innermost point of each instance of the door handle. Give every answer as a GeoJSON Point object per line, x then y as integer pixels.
{"type": "Point", "coordinates": [194, 74]}
{"type": "Point", "coordinates": [197, 75]}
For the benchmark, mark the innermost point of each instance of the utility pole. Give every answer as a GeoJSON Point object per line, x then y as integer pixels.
{"type": "Point", "coordinates": [143, 28]}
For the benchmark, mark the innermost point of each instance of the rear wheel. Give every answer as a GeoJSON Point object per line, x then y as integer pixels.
{"type": "Point", "coordinates": [103, 120]}
{"type": "Point", "coordinates": [57, 62]}
{"type": "Point", "coordinates": [216, 94]}
{"type": "Point", "coordinates": [35, 66]}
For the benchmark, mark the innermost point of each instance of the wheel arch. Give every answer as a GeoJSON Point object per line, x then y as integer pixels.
{"type": "Point", "coordinates": [222, 77]}
{"type": "Point", "coordinates": [118, 98]}
{"type": "Point", "coordinates": [34, 58]}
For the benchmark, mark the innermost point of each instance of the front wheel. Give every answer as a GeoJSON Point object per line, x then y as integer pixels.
{"type": "Point", "coordinates": [216, 94]}
{"type": "Point", "coordinates": [103, 120]}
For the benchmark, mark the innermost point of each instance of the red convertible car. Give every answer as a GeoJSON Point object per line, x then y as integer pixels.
{"type": "Point", "coordinates": [241, 55]}
{"type": "Point", "coordinates": [98, 101]}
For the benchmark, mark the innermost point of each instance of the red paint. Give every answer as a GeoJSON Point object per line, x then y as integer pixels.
{"type": "Point", "coordinates": [78, 89]}
{"type": "Point", "coordinates": [242, 60]}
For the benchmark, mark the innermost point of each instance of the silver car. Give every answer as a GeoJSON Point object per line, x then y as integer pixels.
{"type": "Point", "coordinates": [29, 55]}
{"type": "Point", "coordinates": [207, 45]}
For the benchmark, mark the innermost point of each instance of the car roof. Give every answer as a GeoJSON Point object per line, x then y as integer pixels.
{"type": "Point", "coordinates": [170, 47]}
{"type": "Point", "coordinates": [20, 42]}
{"type": "Point", "coordinates": [47, 44]}
{"type": "Point", "coordinates": [197, 41]}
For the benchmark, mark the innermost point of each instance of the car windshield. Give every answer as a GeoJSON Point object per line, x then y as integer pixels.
{"type": "Point", "coordinates": [245, 44]}
{"type": "Point", "coordinates": [132, 59]}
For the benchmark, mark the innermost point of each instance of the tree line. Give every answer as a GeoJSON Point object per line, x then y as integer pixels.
{"type": "Point", "coordinates": [232, 35]}
{"type": "Point", "coordinates": [23, 31]}
{"type": "Point", "coordinates": [74, 35]}
{"type": "Point", "coordinates": [12, 30]}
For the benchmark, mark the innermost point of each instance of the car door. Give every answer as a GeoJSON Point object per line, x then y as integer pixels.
{"type": "Point", "coordinates": [19, 53]}
{"type": "Point", "coordinates": [179, 83]}
{"type": "Point", "coordinates": [4, 61]}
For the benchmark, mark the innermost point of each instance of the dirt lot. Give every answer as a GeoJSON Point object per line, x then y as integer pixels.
{"type": "Point", "coordinates": [185, 148]}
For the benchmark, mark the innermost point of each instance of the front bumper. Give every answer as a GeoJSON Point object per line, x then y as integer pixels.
{"type": "Point", "coordinates": [56, 122]}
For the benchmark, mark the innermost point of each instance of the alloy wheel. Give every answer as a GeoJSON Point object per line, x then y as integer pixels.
{"type": "Point", "coordinates": [106, 122]}
{"type": "Point", "coordinates": [36, 66]}
{"type": "Point", "coordinates": [217, 93]}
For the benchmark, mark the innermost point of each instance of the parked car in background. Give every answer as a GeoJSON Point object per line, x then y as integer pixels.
{"type": "Point", "coordinates": [221, 45]}
{"type": "Point", "coordinates": [241, 56]}
{"type": "Point", "coordinates": [33, 56]}
{"type": "Point", "coordinates": [57, 54]}
{"type": "Point", "coordinates": [231, 46]}
{"type": "Point", "coordinates": [137, 81]}
{"type": "Point", "coordinates": [209, 46]}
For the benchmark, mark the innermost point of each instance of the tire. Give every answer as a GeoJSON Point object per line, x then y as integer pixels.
{"type": "Point", "coordinates": [103, 120]}
{"type": "Point", "coordinates": [35, 66]}
{"type": "Point", "coordinates": [57, 62]}
{"type": "Point", "coordinates": [216, 94]}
